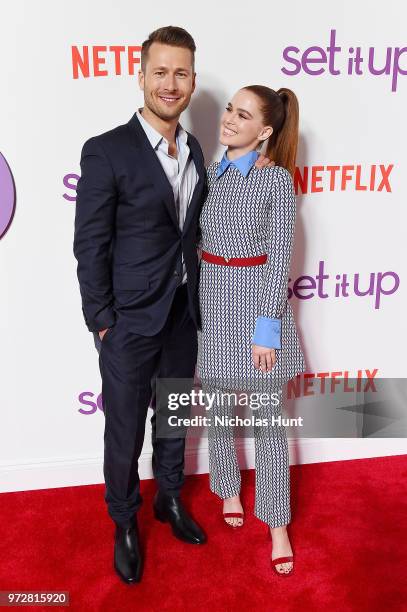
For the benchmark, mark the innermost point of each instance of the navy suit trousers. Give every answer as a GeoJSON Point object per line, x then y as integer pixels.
{"type": "Point", "coordinates": [129, 364]}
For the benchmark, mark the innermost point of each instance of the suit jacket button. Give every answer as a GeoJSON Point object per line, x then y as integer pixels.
{"type": "Point", "coordinates": [175, 273]}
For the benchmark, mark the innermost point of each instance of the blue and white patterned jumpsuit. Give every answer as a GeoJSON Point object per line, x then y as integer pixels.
{"type": "Point", "coordinates": [246, 215]}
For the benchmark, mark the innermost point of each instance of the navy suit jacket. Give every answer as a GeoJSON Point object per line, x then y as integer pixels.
{"type": "Point", "coordinates": [127, 240]}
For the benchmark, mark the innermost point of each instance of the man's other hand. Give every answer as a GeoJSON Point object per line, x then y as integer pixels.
{"type": "Point", "coordinates": [264, 162]}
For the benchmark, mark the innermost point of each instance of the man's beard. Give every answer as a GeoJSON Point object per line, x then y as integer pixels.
{"type": "Point", "coordinates": [164, 114]}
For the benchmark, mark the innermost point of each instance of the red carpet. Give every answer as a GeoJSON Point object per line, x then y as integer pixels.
{"type": "Point", "coordinates": [348, 534]}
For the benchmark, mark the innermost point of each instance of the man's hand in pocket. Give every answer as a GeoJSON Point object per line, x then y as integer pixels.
{"type": "Point", "coordinates": [102, 333]}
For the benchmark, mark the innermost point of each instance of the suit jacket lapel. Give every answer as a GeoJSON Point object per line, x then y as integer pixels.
{"type": "Point", "coordinates": [154, 168]}
{"type": "Point", "coordinates": [158, 176]}
{"type": "Point", "coordinates": [197, 194]}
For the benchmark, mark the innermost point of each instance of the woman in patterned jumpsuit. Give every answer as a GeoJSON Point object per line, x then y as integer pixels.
{"type": "Point", "coordinates": [249, 340]}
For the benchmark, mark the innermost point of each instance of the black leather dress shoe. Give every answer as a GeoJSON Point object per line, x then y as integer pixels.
{"type": "Point", "coordinates": [127, 555]}
{"type": "Point", "coordinates": [169, 509]}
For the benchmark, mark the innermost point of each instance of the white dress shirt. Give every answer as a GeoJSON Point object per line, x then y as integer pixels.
{"type": "Point", "coordinates": [180, 171]}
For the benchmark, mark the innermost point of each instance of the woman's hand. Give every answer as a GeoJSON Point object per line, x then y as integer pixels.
{"type": "Point", "coordinates": [264, 358]}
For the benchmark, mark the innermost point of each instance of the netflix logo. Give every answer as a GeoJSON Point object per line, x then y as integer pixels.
{"type": "Point", "coordinates": [103, 60]}
{"type": "Point", "coordinates": [324, 383]}
{"type": "Point", "coordinates": [350, 177]}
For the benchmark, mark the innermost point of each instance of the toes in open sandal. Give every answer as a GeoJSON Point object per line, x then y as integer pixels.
{"type": "Point", "coordinates": [238, 515]}
{"type": "Point", "coordinates": [279, 560]}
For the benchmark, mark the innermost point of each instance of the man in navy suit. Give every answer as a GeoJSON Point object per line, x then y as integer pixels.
{"type": "Point", "coordinates": [139, 197]}
{"type": "Point", "coordinates": [138, 202]}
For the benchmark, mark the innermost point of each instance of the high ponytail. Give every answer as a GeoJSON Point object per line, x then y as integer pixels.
{"type": "Point", "coordinates": [280, 110]}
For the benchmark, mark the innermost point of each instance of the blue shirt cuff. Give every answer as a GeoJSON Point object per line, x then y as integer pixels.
{"type": "Point", "coordinates": [267, 332]}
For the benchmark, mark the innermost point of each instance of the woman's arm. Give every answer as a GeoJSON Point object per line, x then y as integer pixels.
{"type": "Point", "coordinates": [273, 291]}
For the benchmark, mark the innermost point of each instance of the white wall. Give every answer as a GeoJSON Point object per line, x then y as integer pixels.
{"type": "Point", "coordinates": [47, 357]}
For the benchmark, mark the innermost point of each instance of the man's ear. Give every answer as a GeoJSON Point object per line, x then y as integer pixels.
{"type": "Point", "coordinates": [193, 82]}
{"type": "Point", "coordinates": [141, 79]}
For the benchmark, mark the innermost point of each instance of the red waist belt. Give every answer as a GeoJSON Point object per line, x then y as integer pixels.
{"type": "Point", "coordinates": [234, 261]}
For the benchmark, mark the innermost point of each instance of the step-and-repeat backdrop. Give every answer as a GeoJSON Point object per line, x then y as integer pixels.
{"type": "Point", "coordinates": [69, 71]}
